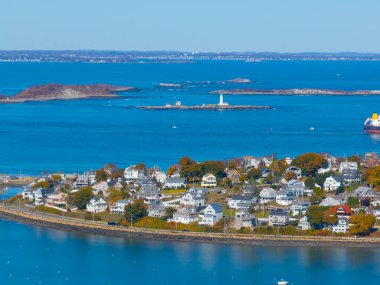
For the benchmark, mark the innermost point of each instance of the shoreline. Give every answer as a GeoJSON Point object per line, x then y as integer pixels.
{"type": "Point", "coordinates": [102, 229]}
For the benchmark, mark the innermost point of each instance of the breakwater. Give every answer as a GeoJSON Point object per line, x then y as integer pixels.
{"type": "Point", "coordinates": [101, 228]}
{"type": "Point", "coordinates": [206, 107]}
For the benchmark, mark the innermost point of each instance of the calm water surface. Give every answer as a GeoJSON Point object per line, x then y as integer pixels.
{"type": "Point", "coordinates": [80, 135]}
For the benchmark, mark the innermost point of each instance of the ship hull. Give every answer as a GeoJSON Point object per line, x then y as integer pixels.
{"type": "Point", "coordinates": [372, 129]}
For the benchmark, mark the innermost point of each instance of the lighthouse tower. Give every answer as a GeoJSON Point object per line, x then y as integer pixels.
{"type": "Point", "coordinates": [221, 102]}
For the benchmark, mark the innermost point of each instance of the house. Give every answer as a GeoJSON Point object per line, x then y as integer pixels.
{"type": "Point", "coordinates": [40, 195]}
{"type": "Point", "coordinates": [299, 207]}
{"type": "Point", "coordinates": [131, 174]}
{"type": "Point", "coordinates": [303, 224]}
{"type": "Point", "coordinates": [96, 205]}
{"type": "Point", "coordinates": [192, 199]}
{"type": "Point", "coordinates": [278, 217]}
{"type": "Point", "coordinates": [329, 202]}
{"type": "Point", "coordinates": [265, 172]}
{"type": "Point", "coordinates": [208, 180]}
{"type": "Point", "coordinates": [199, 190]}
{"type": "Point", "coordinates": [175, 182]}
{"type": "Point", "coordinates": [364, 193]}
{"type": "Point", "coordinates": [156, 209]}
{"type": "Point", "coordinates": [285, 197]}
{"type": "Point", "coordinates": [185, 215]}
{"type": "Point", "coordinates": [297, 171]}
{"type": "Point", "coordinates": [149, 191]}
{"type": "Point", "coordinates": [115, 183]}
{"type": "Point", "coordinates": [211, 215]}
{"type": "Point", "coordinates": [82, 181]}
{"type": "Point", "coordinates": [250, 161]}
{"type": "Point", "coordinates": [288, 160]}
{"type": "Point", "coordinates": [233, 175]}
{"type": "Point", "coordinates": [57, 200]}
{"type": "Point", "coordinates": [241, 201]}
{"type": "Point", "coordinates": [351, 165]}
{"type": "Point", "coordinates": [267, 160]}
{"type": "Point", "coordinates": [119, 206]}
{"type": "Point", "coordinates": [342, 210]}
{"type": "Point", "coordinates": [332, 183]}
{"type": "Point", "coordinates": [267, 195]}
{"type": "Point", "coordinates": [100, 188]}
{"type": "Point", "coordinates": [295, 186]}
{"type": "Point", "coordinates": [243, 219]}
{"type": "Point", "coordinates": [351, 175]}
{"type": "Point", "coordinates": [341, 226]}
{"type": "Point", "coordinates": [160, 176]}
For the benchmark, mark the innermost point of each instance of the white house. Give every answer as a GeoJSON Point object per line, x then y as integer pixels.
{"type": "Point", "coordinates": [175, 182]}
{"type": "Point", "coordinates": [131, 174]}
{"type": "Point", "coordinates": [295, 186]}
{"type": "Point", "coordinates": [332, 183]}
{"type": "Point", "coordinates": [160, 176]}
{"type": "Point", "coordinates": [297, 171]}
{"type": "Point", "coordinates": [348, 165]}
{"type": "Point", "coordinates": [329, 202]}
{"type": "Point", "coordinates": [212, 214]}
{"type": "Point", "coordinates": [285, 197]}
{"type": "Point", "coordinates": [250, 161]}
{"type": "Point", "coordinates": [192, 199]}
{"type": "Point", "coordinates": [100, 188]}
{"type": "Point", "coordinates": [119, 206]}
{"type": "Point", "coordinates": [278, 217]}
{"type": "Point", "coordinates": [241, 201]}
{"type": "Point", "coordinates": [156, 209]}
{"type": "Point", "coordinates": [267, 160]}
{"type": "Point", "coordinates": [267, 195]}
{"type": "Point", "coordinates": [303, 224]}
{"type": "Point", "coordinates": [185, 215]}
{"type": "Point", "coordinates": [96, 205]}
{"type": "Point", "coordinates": [208, 180]}
{"type": "Point", "coordinates": [299, 207]}
{"type": "Point", "coordinates": [244, 220]}
{"type": "Point", "coordinates": [341, 226]}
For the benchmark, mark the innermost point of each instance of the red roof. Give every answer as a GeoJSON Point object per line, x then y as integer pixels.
{"type": "Point", "coordinates": [342, 210]}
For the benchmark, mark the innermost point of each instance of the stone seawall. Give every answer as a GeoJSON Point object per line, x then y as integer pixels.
{"type": "Point", "coordinates": [101, 228]}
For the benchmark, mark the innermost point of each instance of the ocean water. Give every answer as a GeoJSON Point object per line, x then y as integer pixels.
{"type": "Point", "coordinates": [78, 135]}
{"type": "Point", "coordinates": [33, 255]}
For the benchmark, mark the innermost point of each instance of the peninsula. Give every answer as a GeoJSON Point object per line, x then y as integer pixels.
{"type": "Point", "coordinates": [209, 107]}
{"type": "Point", "coordinates": [66, 92]}
{"type": "Point", "coordinates": [295, 91]}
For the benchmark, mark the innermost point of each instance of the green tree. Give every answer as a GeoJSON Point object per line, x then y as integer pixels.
{"type": "Point", "coordinates": [100, 175]}
{"type": "Point", "coordinates": [309, 183]}
{"type": "Point", "coordinates": [318, 191]}
{"type": "Point", "coordinates": [254, 174]}
{"type": "Point", "coordinates": [339, 190]}
{"type": "Point", "coordinates": [362, 224]}
{"type": "Point", "coordinates": [353, 201]}
{"type": "Point", "coordinates": [309, 163]}
{"type": "Point", "coordinates": [82, 197]}
{"type": "Point", "coordinates": [169, 213]}
{"type": "Point", "coordinates": [315, 216]}
{"type": "Point", "coordinates": [315, 199]}
{"type": "Point", "coordinates": [135, 211]}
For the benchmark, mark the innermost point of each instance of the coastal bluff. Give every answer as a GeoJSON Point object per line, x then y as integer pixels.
{"type": "Point", "coordinates": [66, 92]}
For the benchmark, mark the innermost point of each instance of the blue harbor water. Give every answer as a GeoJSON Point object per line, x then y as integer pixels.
{"type": "Point", "coordinates": [85, 134]}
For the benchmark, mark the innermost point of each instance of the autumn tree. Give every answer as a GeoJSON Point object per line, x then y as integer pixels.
{"type": "Point", "coordinates": [290, 175]}
{"type": "Point", "coordinates": [100, 175]}
{"type": "Point", "coordinates": [82, 197]}
{"type": "Point", "coordinates": [278, 167]}
{"type": "Point", "coordinates": [309, 163]}
{"type": "Point", "coordinates": [329, 217]}
{"type": "Point", "coordinates": [362, 224]}
{"type": "Point", "coordinates": [135, 211]}
{"type": "Point", "coordinates": [373, 175]}
{"type": "Point", "coordinates": [41, 184]}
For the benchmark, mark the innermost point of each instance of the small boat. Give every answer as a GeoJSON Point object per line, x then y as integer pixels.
{"type": "Point", "coordinates": [311, 129]}
{"type": "Point", "coordinates": [174, 127]}
{"type": "Point", "coordinates": [282, 282]}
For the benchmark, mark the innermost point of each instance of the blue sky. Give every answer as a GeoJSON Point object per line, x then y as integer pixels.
{"type": "Point", "coordinates": [192, 25]}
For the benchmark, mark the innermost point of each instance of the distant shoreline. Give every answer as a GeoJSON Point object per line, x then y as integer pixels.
{"type": "Point", "coordinates": [296, 92]}
{"type": "Point", "coordinates": [100, 228]}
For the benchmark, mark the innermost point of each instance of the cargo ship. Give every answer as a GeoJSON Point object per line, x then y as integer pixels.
{"type": "Point", "coordinates": [372, 125]}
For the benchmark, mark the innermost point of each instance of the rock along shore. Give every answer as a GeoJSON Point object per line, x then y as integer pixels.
{"type": "Point", "coordinates": [100, 228]}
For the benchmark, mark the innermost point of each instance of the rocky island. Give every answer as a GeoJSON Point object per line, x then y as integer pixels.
{"type": "Point", "coordinates": [295, 91]}
{"type": "Point", "coordinates": [66, 92]}
{"type": "Point", "coordinates": [208, 107]}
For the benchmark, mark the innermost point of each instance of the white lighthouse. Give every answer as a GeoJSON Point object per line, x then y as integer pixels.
{"type": "Point", "coordinates": [221, 102]}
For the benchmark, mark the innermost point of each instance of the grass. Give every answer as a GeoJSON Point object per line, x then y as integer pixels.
{"type": "Point", "coordinates": [173, 191]}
